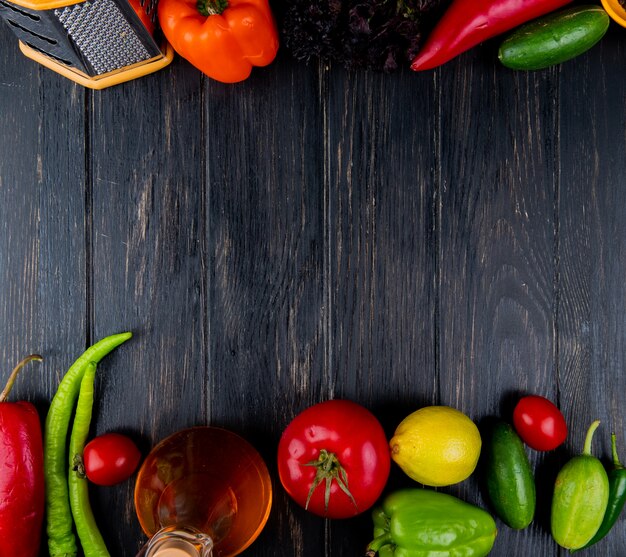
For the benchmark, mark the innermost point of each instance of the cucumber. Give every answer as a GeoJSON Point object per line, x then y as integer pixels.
{"type": "Point", "coordinates": [554, 38]}
{"type": "Point", "coordinates": [509, 479]}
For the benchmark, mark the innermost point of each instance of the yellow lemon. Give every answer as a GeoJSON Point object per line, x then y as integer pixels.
{"type": "Point", "coordinates": [436, 446]}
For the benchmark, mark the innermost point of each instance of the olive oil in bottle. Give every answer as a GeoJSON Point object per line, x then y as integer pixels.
{"type": "Point", "coordinates": [202, 492]}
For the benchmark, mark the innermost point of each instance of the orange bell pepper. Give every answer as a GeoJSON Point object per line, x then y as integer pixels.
{"type": "Point", "coordinates": [222, 38]}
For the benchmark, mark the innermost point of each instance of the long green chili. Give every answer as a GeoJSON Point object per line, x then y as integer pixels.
{"type": "Point", "coordinates": [90, 538]}
{"type": "Point", "coordinates": [617, 497]}
{"type": "Point", "coordinates": [59, 523]}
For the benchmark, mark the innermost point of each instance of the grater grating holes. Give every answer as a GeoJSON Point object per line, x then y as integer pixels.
{"type": "Point", "coordinates": [103, 35]}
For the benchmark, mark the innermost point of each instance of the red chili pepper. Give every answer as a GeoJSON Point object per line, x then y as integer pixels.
{"type": "Point", "coordinates": [139, 7]}
{"type": "Point", "coordinates": [469, 22]}
{"type": "Point", "coordinates": [21, 474]}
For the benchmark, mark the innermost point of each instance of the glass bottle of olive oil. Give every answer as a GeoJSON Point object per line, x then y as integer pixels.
{"type": "Point", "coordinates": [202, 492]}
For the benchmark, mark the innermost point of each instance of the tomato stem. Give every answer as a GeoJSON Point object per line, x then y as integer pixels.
{"type": "Point", "coordinates": [7, 389]}
{"type": "Point", "coordinates": [329, 469]}
{"type": "Point", "coordinates": [211, 7]}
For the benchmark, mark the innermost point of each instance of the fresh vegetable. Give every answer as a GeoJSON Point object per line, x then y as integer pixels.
{"type": "Point", "coordinates": [554, 39]}
{"type": "Point", "coordinates": [421, 522]}
{"type": "Point", "coordinates": [224, 39]}
{"type": "Point", "coordinates": [469, 22]}
{"type": "Point", "coordinates": [379, 36]}
{"type": "Point", "coordinates": [539, 423]}
{"type": "Point", "coordinates": [581, 495]}
{"type": "Point", "coordinates": [616, 10]}
{"type": "Point", "coordinates": [617, 497]}
{"type": "Point", "coordinates": [509, 477]}
{"type": "Point", "coordinates": [90, 538]}
{"type": "Point", "coordinates": [59, 522]}
{"type": "Point", "coordinates": [333, 459]}
{"type": "Point", "coordinates": [110, 459]}
{"type": "Point", "coordinates": [436, 446]}
{"type": "Point", "coordinates": [21, 474]}
{"type": "Point", "coordinates": [139, 7]}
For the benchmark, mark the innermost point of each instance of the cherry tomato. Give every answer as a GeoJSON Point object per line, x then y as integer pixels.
{"type": "Point", "coordinates": [333, 459]}
{"type": "Point", "coordinates": [539, 423]}
{"type": "Point", "coordinates": [110, 459]}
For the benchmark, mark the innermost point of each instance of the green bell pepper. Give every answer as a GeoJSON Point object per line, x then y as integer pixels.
{"type": "Point", "coordinates": [423, 523]}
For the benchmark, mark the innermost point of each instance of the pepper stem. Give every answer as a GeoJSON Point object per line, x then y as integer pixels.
{"type": "Point", "coordinates": [589, 437]}
{"type": "Point", "coordinates": [374, 546]}
{"type": "Point", "coordinates": [211, 7]}
{"type": "Point", "coordinates": [7, 389]}
{"type": "Point", "coordinates": [616, 463]}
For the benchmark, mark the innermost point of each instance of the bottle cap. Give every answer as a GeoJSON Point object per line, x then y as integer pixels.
{"type": "Point", "coordinates": [175, 552]}
{"type": "Point", "coordinates": [178, 542]}
{"type": "Point", "coordinates": [176, 548]}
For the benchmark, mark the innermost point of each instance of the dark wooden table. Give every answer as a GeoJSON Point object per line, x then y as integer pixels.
{"type": "Point", "coordinates": [453, 237]}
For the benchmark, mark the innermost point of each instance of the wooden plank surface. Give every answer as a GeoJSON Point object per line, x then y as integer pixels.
{"type": "Point", "coordinates": [42, 240]}
{"type": "Point", "coordinates": [42, 235]}
{"type": "Point", "coordinates": [147, 268]}
{"type": "Point", "coordinates": [267, 315]}
{"type": "Point", "coordinates": [497, 253]}
{"type": "Point", "coordinates": [453, 237]}
{"type": "Point", "coordinates": [592, 254]}
{"type": "Point", "coordinates": [382, 160]}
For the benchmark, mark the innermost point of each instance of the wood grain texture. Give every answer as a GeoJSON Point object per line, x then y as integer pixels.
{"type": "Point", "coordinates": [146, 219]}
{"type": "Point", "coordinates": [42, 234]}
{"type": "Point", "coordinates": [267, 315]}
{"type": "Point", "coordinates": [497, 252]}
{"type": "Point", "coordinates": [381, 182]}
{"type": "Point", "coordinates": [592, 254]}
{"type": "Point", "coordinates": [19, 214]}
{"type": "Point", "coordinates": [42, 241]}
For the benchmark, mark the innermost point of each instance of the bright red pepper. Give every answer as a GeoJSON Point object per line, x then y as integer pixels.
{"type": "Point", "coordinates": [139, 7]}
{"type": "Point", "coordinates": [21, 475]}
{"type": "Point", "coordinates": [467, 23]}
{"type": "Point", "coordinates": [222, 38]}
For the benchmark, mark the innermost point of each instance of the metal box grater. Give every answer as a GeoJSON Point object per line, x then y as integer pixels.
{"type": "Point", "coordinates": [97, 43]}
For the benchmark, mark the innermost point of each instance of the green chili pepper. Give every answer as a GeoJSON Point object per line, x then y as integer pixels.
{"type": "Point", "coordinates": [617, 496]}
{"type": "Point", "coordinates": [581, 494]}
{"type": "Point", "coordinates": [421, 522]}
{"type": "Point", "coordinates": [90, 538]}
{"type": "Point", "coordinates": [59, 523]}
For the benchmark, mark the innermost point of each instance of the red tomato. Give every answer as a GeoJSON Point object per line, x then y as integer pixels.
{"type": "Point", "coordinates": [539, 423]}
{"type": "Point", "coordinates": [333, 459]}
{"type": "Point", "coordinates": [110, 459]}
